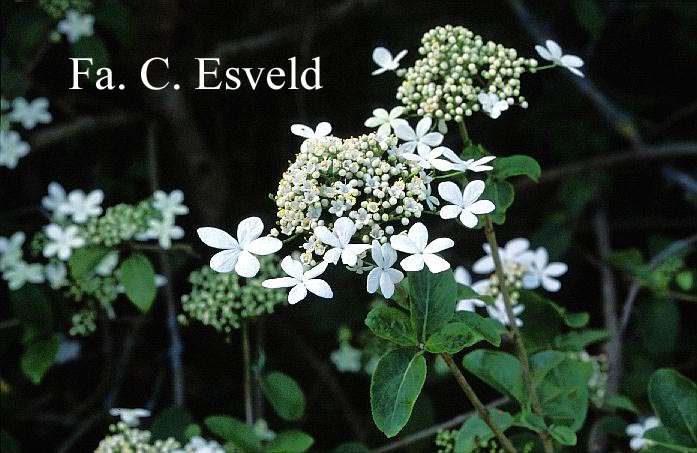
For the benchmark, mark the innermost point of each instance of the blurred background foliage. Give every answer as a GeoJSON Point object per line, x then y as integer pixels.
{"type": "Point", "coordinates": [614, 192]}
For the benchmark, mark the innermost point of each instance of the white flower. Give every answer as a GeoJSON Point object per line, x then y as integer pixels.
{"type": "Point", "coordinates": [11, 250]}
{"type": "Point", "coordinates": [386, 121]}
{"type": "Point", "coordinates": [76, 25]}
{"type": "Point", "coordinates": [431, 200]}
{"type": "Point", "coordinates": [554, 54]}
{"type": "Point", "coordinates": [491, 104]}
{"type": "Point", "coordinates": [346, 358]}
{"type": "Point", "coordinates": [339, 239]}
{"type": "Point", "coordinates": [515, 251]}
{"type": "Point", "coordinates": [30, 113]}
{"type": "Point", "coordinates": [22, 273]}
{"type": "Point", "coordinates": [56, 274]}
{"type": "Point", "coordinates": [107, 264]}
{"type": "Point", "coordinates": [12, 148]}
{"type": "Point", "coordinates": [464, 278]}
{"type": "Point", "coordinates": [430, 158]}
{"type": "Point", "coordinates": [416, 244]}
{"type": "Point", "coordinates": [541, 272]}
{"type": "Point", "coordinates": [383, 275]}
{"type": "Point", "coordinates": [56, 200]}
{"type": "Point", "coordinates": [420, 139]}
{"type": "Point", "coordinates": [322, 130]}
{"type": "Point", "coordinates": [131, 417]}
{"type": "Point", "coordinates": [464, 204]}
{"type": "Point", "coordinates": [261, 429]}
{"type": "Point", "coordinates": [637, 431]}
{"type": "Point", "coordinates": [62, 241]}
{"type": "Point", "coordinates": [498, 312]}
{"type": "Point", "coordinates": [198, 444]}
{"type": "Point", "coordinates": [477, 165]}
{"type": "Point", "coordinates": [164, 231]}
{"type": "Point", "coordinates": [300, 281]}
{"type": "Point", "coordinates": [81, 207]}
{"type": "Point", "coordinates": [169, 205]}
{"type": "Point", "coordinates": [238, 254]}
{"type": "Point", "coordinates": [442, 126]}
{"type": "Point", "coordinates": [383, 58]}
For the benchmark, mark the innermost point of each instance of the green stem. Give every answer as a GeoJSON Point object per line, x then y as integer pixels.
{"type": "Point", "coordinates": [247, 369]}
{"type": "Point", "coordinates": [481, 409]}
{"type": "Point", "coordinates": [449, 175]}
{"type": "Point", "coordinates": [517, 338]}
{"type": "Point", "coordinates": [463, 133]}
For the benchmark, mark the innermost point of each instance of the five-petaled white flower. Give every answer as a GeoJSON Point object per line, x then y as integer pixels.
{"type": "Point", "coordinates": [131, 417]}
{"type": "Point", "coordinates": [475, 165]}
{"type": "Point", "coordinates": [420, 139]}
{"type": "Point", "coordinates": [30, 113]}
{"type": "Point", "coordinates": [430, 159]}
{"type": "Point", "coordinates": [11, 250]}
{"type": "Point", "coordinates": [164, 231]}
{"type": "Point", "coordinates": [238, 254]}
{"type": "Point", "coordinates": [170, 205]}
{"type": "Point", "coordinates": [542, 272]}
{"type": "Point", "coordinates": [464, 278]}
{"type": "Point", "coordinates": [498, 312]}
{"type": "Point", "coordinates": [322, 130]}
{"type": "Point", "coordinates": [415, 243]}
{"type": "Point", "coordinates": [552, 52]}
{"type": "Point", "coordinates": [515, 251]}
{"type": "Point", "coordinates": [23, 272]}
{"type": "Point", "coordinates": [383, 58]}
{"type": "Point", "coordinates": [491, 104]}
{"type": "Point", "coordinates": [81, 206]}
{"type": "Point", "coordinates": [55, 200]}
{"type": "Point", "coordinates": [386, 121]}
{"type": "Point", "coordinates": [62, 241]}
{"type": "Point", "coordinates": [339, 239]}
{"type": "Point", "coordinates": [301, 281]}
{"type": "Point", "coordinates": [12, 148]}
{"type": "Point", "coordinates": [383, 275]}
{"type": "Point", "coordinates": [76, 25]}
{"type": "Point", "coordinates": [637, 431]}
{"type": "Point", "coordinates": [465, 204]}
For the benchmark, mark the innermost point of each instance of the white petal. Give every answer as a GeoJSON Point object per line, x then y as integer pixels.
{"type": "Point", "coordinates": [53, 231]}
{"type": "Point", "coordinates": [395, 275]}
{"type": "Point", "coordinates": [575, 71]}
{"type": "Point", "coordinates": [298, 293]}
{"type": "Point", "coordinates": [543, 52]}
{"type": "Point", "coordinates": [472, 191]}
{"type": "Point", "coordinates": [384, 129]}
{"type": "Point", "coordinates": [450, 212]}
{"type": "Point", "coordinates": [637, 443]}
{"type": "Point", "coordinates": [432, 139]}
{"type": "Point", "coordinates": [248, 230]}
{"type": "Point", "coordinates": [373, 122]}
{"type": "Point", "coordinates": [571, 61]}
{"type": "Point", "coordinates": [554, 49]}
{"type": "Point", "coordinates": [550, 284]}
{"type": "Point", "coordinates": [399, 55]}
{"type": "Point", "coordinates": [283, 282]}
{"type": "Point", "coordinates": [449, 191]}
{"type": "Point", "coordinates": [462, 276]}
{"type": "Point", "coordinates": [376, 253]}
{"type": "Point", "coordinates": [464, 305]}
{"type": "Point", "coordinates": [348, 257]}
{"type": "Point", "coordinates": [374, 280]}
{"type": "Point", "coordinates": [435, 263]}
{"type": "Point", "coordinates": [315, 271]}
{"type": "Point", "coordinates": [481, 207]}
{"type": "Point", "coordinates": [357, 248]}
{"type": "Point", "coordinates": [442, 164]}
{"type": "Point", "coordinates": [516, 246]}
{"type": "Point", "coordinates": [323, 129]}
{"type": "Point", "coordinates": [389, 255]}
{"type": "Point", "coordinates": [382, 57]}
{"type": "Point", "coordinates": [405, 132]}
{"type": "Point", "coordinates": [326, 236]}
{"type": "Point", "coordinates": [292, 267]}
{"type": "Point", "coordinates": [484, 265]}
{"type": "Point", "coordinates": [264, 246]}
{"type": "Point", "coordinates": [403, 243]}
{"type": "Point", "coordinates": [214, 237]}
{"type": "Point", "coordinates": [344, 229]}
{"type": "Point", "coordinates": [423, 126]}
{"type": "Point", "coordinates": [302, 131]}
{"type": "Point", "coordinates": [332, 255]}
{"type": "Point", "coordinates": [419, 236]}
{"type": "Point", "coordinates": [386, 285]}
{"type": "Point", "coordinates": [379, 71]}
{"type": "Point", "coordinates": [413, 263]}
{"type": "Point", "coordinates": [225, 261]}
{"type": "Point", "coordinates": [247, 265]}
{"type": "Point", "coordinates": [319, 288]}
{"type": "Point", "coordinates": [439, 245]}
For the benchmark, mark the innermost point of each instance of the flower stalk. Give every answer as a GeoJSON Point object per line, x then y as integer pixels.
{"type": "Point", "coordinates": [247, 370]}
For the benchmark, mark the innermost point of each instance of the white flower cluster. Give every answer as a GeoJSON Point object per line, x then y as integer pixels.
{"type": "Point", "coordinates": [522, 267]}
{"type": "Point", "coordinates": [637, 432]}
{"type": "Point", "coordinates": [28, 114]}
{"type": "Point", "coordinates": [456, 67]}
{"type": "Point", "coordinates": [76, 25]}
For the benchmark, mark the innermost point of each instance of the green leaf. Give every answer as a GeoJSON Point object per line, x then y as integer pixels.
{"type": "Point", "coordinates": [475, 430]}
{"type": "Point", "coordinates": [32, 307]}
{"type": "Point", "coordinates": [232, 430]}
{"type": "Point", "coordinates": [452, 338]}
{"type": "Point", "coordinates": [171, 422]}
{"type": "Point", "coordinates": [621, 402]}
{"type": "Point", "coordinates": [38, 357]}
{"type": "Point", "coordinates": [391, 324]}
{"type": "Point", "coordinates": [489, 329]}
{"type": "Point", "coordinates": [285, 395]}
{"type": "Point", "coordinates": [685, 280]}
{"type": "Point", "coordinates": [531, 421]}
{"type": "Point", "coordinates": [613, 424]}
{"type": "Point", "coordinates": [351, 447]}
{"type": "Point", "coordinates": [432, 297]}
{"type": "Point", "coordinates": [500, 193]}
{"type": "Point", "coordinates": [517, 165]}
{"type": "Point", "coordinates": [138, 279]}
{"type": "Point", "coordinates": [83, 260]}
{"type": "Point", "coordinates": [578, 341]}
{"type": "Point", "coordinates": [674, 400]}
{"type": "Point", "coordinates": [465, 292]}
{"type": "Point", "coordinates": [542, 320]}
{"type": "Point", "coordinates": [291, 441]}
{"type": "Point", "coordinates": [543, 363]}
{"type": "Point", "coordinates": [658, 317]}
{"type": "Point", "coordinates": [664, 442]}
{"type": "Point", "coordinates": [401, 294]}
{"type": "Point", "coordinates": [394, 388]}
{"type": "Point", "coordinates": [563, 435]}
{"type": "Point", "coordinates": [500, 370]}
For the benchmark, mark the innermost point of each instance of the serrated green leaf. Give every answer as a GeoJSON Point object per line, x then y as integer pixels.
{"type": "Point", "coordinates": [235, 431]}
{"type": "Point", "coordinates": [578, 341]}
{"type": "Point", "coordinates": [563, 435]}
{"type": "Point", "coordinates": [500, 370]}
{"type": "Point", "coordinates": [285, 395]}
{"type": "Point", "coordinates": [517, 165]}
{"type": "Point", "coordinates": [394, 388]}
{"type": "Point", "coordinates": [391, 324]}
{"type": "Point", "coordinates": [489, 329]}
{"type": "Point", "coordinates": [452, 338]}
{"type": "Point", "coordinates": [674, 400]}
{"type": "Point", "coordinates": [475, 430]}
{"type": "Point", "coordinates": [38, 357]}
{"type": "Point", "coordinates": [138, 279]}
{"type": "Point", "coordinates": [84, 260]}
{"type": "Point", "coordinates": [291, 441]}
{"type": "Point", "coordinates": [432, 298]}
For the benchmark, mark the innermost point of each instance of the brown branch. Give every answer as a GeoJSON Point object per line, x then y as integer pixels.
{"type": "Point", "coordinates": [48, 136]}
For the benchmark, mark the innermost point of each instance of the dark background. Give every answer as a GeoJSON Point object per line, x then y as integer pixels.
{"type": "Point", "coordinates": [227, 150]}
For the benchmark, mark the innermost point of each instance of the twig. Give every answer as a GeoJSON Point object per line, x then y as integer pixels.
{"type": "Point", "coordinates": [247, 370]}
{"type": "Point", "coordinates": [517, 338]}
{"type": "Point", "coordinates": [56, 134]}
{"type": "Point", "coordinates": [481, 409]}
{"type": "Point", "coordinates": [175, 343]}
